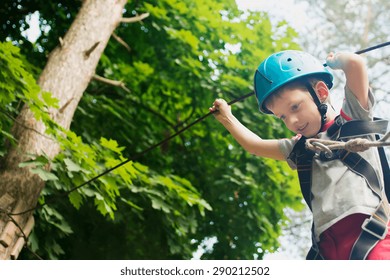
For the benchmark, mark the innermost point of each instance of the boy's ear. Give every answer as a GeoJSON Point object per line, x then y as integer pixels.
{"type": "Point", "coordinates": [322, 91]}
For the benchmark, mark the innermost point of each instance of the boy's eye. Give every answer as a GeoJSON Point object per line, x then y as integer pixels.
{"type": "Point", "coordinates": [295, 107]}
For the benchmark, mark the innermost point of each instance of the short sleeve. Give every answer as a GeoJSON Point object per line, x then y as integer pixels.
{"type": "Point", "coordinates": [352, 110]}
{"type": "Point", "coordinates": [286, 146]}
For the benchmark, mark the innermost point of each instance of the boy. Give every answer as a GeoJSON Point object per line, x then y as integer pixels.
{"type": "Point", "coordinates": [294, 86]}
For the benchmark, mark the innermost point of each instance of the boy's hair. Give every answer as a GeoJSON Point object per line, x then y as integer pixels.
{"type": "Point", "coordinates": [297, 84]}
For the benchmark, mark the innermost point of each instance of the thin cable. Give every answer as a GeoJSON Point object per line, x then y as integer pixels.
{"type": "Point", "coordinates": [134, 157]}
{"type": "Point", "coordinates": [373, 48]}
{"type": "Point", "coordinates": [370, 49]}
{"type": "Point", "coordinates": [157, 144]}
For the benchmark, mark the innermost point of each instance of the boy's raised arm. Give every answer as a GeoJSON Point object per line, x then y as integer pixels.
{"type": "Point", "coordinates": [246, 138]}
{"type": "Point", "coordinates": [355, 71]}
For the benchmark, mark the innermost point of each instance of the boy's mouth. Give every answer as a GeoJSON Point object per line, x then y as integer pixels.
{"type": "Point", "coordinates": [302, 128]}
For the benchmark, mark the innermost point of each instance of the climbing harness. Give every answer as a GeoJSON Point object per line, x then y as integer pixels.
{"type": "Point", "coordinates": [374, 228]}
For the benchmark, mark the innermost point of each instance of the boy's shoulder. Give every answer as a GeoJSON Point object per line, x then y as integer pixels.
{"type": "Point", "coordinates": [351, 108]}
{"type": "Point", "coordinates": [286, 146]}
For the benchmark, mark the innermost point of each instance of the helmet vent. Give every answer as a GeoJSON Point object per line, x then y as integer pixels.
{"type": "Point", "coordinates": [298, 69]}
{"type": "Point", "coordinates": [289, 59]}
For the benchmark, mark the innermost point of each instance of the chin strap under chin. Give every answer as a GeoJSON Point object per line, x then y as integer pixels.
{"type": "Point", "coordinates": [322, 107]}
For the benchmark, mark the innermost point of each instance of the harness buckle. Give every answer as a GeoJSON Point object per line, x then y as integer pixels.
{"type": "Point", "coordinates": [375, 228]}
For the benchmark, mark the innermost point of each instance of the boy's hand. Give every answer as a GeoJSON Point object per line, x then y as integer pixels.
{"type": "Point", "coordinates": [335, 61]}
{"type": "Point", "coordinates": [221, 108]}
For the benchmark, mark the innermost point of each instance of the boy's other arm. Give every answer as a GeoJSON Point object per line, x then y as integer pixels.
{"type": "Point", "coordinates": [247, 139]}
{"type": "Point", "coordinates": [355, 71]}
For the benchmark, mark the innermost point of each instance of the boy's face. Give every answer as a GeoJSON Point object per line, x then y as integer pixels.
{"type": "Point", "coordinates": [296, 108]}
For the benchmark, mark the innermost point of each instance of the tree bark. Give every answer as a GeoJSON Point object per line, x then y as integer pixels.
{"type": "Point", "coordinates": [66, 75]}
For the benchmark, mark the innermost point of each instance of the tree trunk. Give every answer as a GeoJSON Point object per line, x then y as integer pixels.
{"type": "Point", "coordinates": [66, 75]}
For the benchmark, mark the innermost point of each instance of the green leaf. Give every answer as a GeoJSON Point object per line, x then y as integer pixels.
{"type": "Point", "coordinates": [76, 199]}
{"type": "Point", "coordinates": [71, 165]}
{"type": "Point", "coordinates": [36, 162]}
{"type": "Point", "coordinates": [131, 204]}
{"type": "Point", "coordinates": [49, 100]}
{"type": "Point", "coordinates": [111, 144]}
{"type": "Point", "coordinates": [159, 204]}
{"type": "Point", "coordinates": [44, 175]}
{"type": "Point", "coordinates": [104, 207]}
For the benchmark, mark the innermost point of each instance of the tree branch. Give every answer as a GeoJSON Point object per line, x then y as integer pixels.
{"type": "Point", "coordinates": [23, 125]}
{"type": "Point", "coordinates": [111, 82]}
{"type": "Point", "coordinates": [121, 41]}
{"type": "Point", "coordinates": [22, 239]}
{"type": "Point", "coordinates": [88, 52]}
{"type": "Point", "coordinates": [135, 19]}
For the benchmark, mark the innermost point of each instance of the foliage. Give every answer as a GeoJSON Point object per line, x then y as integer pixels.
{"type": "Point", "coordinates": [18, 87]}
{"type": "Point", "coordinates": [181, 59]}
{"type": "Point", "coordinates": [79, 162]}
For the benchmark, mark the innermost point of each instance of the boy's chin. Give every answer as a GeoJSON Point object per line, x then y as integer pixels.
{"type": "Point", "coordinates": [306, 133]}
{"type": "Point", "coordinates": [309, 135]}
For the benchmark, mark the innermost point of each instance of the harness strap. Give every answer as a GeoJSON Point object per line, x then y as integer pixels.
{"type": "Point", "coordinates": [314, 252]}
{"type": "Point", "coordinates": [357, 128]}
{"type": "Point", "coordinates": [303, 161]}
{"type": "Point", "coordinates": [386, 170]}
{"type": "Point", "coordinates": [363, 168]}
{"type": "Point", "coordinates": [375, 227]}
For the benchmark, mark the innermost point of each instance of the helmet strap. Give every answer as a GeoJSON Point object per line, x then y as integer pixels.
{"type": "Point", "coordinates": [322, 107]}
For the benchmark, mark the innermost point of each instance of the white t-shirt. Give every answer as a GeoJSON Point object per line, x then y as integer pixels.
{"type": "Point", "coordinates": [337, 191]}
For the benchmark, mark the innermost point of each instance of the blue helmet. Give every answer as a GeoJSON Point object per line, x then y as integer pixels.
{"type": "Point", "coordinates": [284, 67]}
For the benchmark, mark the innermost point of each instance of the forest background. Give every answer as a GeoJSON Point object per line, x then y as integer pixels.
{"type": "Point", "coordinates": [198, 195]}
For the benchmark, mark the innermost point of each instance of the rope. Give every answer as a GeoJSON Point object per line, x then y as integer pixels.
{"type": "Point", "coordinates": [354, 145]}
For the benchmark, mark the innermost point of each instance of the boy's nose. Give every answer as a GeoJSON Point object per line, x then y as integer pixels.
{"type": "Point", "coordinates": [294, 120]}
{"type": "Point", "coordinates": [296, 124]}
